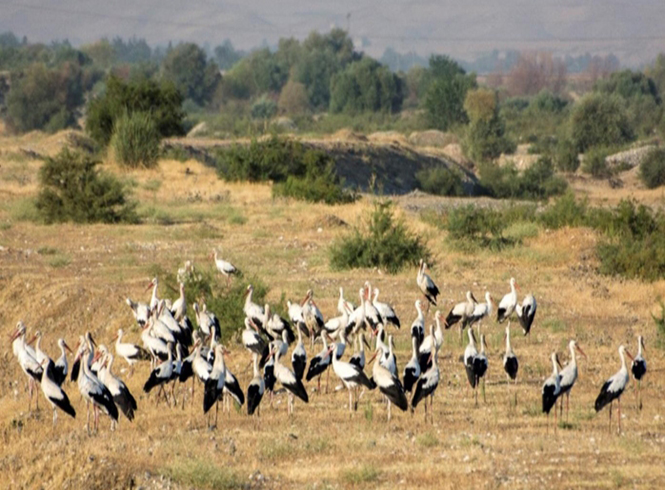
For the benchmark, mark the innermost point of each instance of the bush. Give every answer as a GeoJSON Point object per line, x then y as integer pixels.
{"type": "Point", "coordinates": [71, 189]}
{"type": "Point", "coordinates": [595, 163]}
{"type": "Point", "coordinates": [188, 68]}
{"type": "Point", "coordinates": [297, 171]}
{"type": "Point", "coordinates": [293, 99]}
{"type": "Point", "coordinates": [480, 226]}
{"type": "Point", "coordinates": [136, 140]}
{"type": "Point", "coordinates": [440, 180]}
{"type": "Point", "coordinates": [652, 168]}
{"type": "Point", "coordinates": [382, 241]}
{"type": "Point", "coordinates": [209, 286]}
{"type": "Point", "coordinates": [567, 159]}
{"type": "Point", "coordinates": [599, 120]}
{"type": "Point", "coordinates": [162, 101]}
{"type": "Point", "coordinates": [566, 211]}
{"type": "Point", "coordinates": [447, 85]}
{"type": "Point", "coordinates": [537, 182]}
{"type": "Point", "coordinates": [263, 108]}
{"type": "Point", "coordinates": [485, 137]}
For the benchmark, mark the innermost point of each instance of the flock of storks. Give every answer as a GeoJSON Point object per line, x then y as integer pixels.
{"type": "Point", "coordinates": [177, 351]}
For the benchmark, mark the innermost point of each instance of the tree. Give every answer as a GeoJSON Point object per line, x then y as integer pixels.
{"type": "Point", "coordinates": [162, 101]}
{"type": "Point", "coordinates": [485, 138]}
{"type": "Point", "coordinates": [256, 74]}
{"type": "Point", "coordinates": [534, 72]}
{"type": "Point", "coordinates": [599, 120]}
{"type": "Point", "coordinates": [226, 55]}
{"type": "Point", "coordinates": [44, 98]}
{"type": "Point", "coordinates": [186, 66]}
{"type": "Point", "coordinates": [293, 98]}
{"type": "Point", "coordinates": [365, 85]}
{"type": "Point", "coordinates": [657, 72]}
{"type": "Point", "coordinates": [101, 52]}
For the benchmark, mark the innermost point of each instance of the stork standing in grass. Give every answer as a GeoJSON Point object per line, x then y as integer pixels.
{"type": "Point", "coordinates": [289, 381]}
{"type": "Point", "coordinates": [299, 357]}
{"type": "Point", "coordinates": [319, 363]}
{"type": "Point", "coordinates": [358, 358]}
{"type": "Point", "coordinates": [129, 352]}
{"type": "Point", "coordinates": [312, 315]}
{"type": "Point", "coordinates": [526, 312]}
{"type": "Point", "coordinates": [342, 304]}
{"type": "Point", "coordinates": [253, 311]}
{"type": "Point", "coordinates": [225, 267]}
{"type": "Point", "coordinates": [352, 377]}
{"type": "Point", "coordinates": [551, 390]}
{"type": "Point", "coordinates": [482, 310]}
{"type": "Point", "coordinates": [412, 369]}
{"type": "Point", "coordinates": [614, 387]}
{"type": "Point", "coordinates": [433, 341]}
{"type": "Point", "coordinates": [255, 389]}
{"type": "Point", "coordinates": [418, 325]}
{"type": "Point", "coordinates": [53, 393]}
{"type": "Point", "coordinates": [61, 366]}
{"type": "Point", "coordinates": [121, 395]}
{"type": "Point", "coordinates": [463, 313]}
{"type": "Point", "coordinates": [507, 303]}
{"type": "Point", "coordinates": [386, 312]}
{"type": "Point", "coordinates": [26, 359]}
{"type": "Point", "coordinates": [510, 363]}
{"type": "Point", "coordinates": [427, 385]}
{"type": "Point", "coordinates": [388, 384]}
{"type": "Point", "coordinates": [296, 318]}
{"type": "Point", "coordinates": [639, 368]}
{"type": "Point", "coordinates": [93, 391]}
{"type": "Point", "coordinates": [426, 285]}
{"type": "Point", "coordinates": [569, 376]}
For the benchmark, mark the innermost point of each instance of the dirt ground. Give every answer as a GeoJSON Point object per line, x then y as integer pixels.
{"type": "Point", "coordinates": [67, 279]}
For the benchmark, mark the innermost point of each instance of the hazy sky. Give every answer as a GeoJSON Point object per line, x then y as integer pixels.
{"type": "Point", "coordinates": [634, 30]}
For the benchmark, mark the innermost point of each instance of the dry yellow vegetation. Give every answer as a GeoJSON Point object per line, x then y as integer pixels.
{"type": "Point", "coordinates": [66, 279]}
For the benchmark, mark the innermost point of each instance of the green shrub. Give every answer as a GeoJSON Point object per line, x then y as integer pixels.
{"type": "Point", "coordinates": [566, 211]}
{"type": "Point", "coordinates": [72, 189]}
{"type": "Point", "coordinates": [136, 140]}
{"type": "Point", "coordinates": [633, 258]}
{"type": "Point", "coordinates": [263, 108]}
{"type": "Point", "coordinates": [599, 120]}
{"type": "Point", "coordinates": [595, 163]}
{"type": "Point", "coordinates": [659, 321]}
{"type": "Point", "coordinates": [382, 241]}
{"type": "Point", "coordinates": [441, 180]}
{"type": "Point", "coordinates": [567, 159]}
{"type": "Point", "coordinates": [536, 182]}
{"type": "Point", "coordinates": [162, 101]}
{"type": "Point", "coordinates": [479, 226]}
{"type": "Point", "coordinates": [652, 168]}
{"type": "Point", "coordinates": [321, 188]}
{"type": "Point", "coordinates": [207, 285]}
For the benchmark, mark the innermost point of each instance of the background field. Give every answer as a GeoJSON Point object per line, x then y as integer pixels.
{"type": "Point", "coordinates": [66, 279]}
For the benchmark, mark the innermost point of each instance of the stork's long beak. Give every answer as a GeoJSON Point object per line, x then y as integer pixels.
{"type": "Point", "coordinates": [474, 298]}
{"type": "Point", "coordinates": [97, 355]}
{"type": "Point", "coordinates": [630, 355]}
{"type": "Point", "coordinates": [152, 283]}
{"type": "Point", "coordinates": [580, 351]}
{"type": "Point", "coordinates": [29, 342]}
{"type": "Point", "coordinates": [92, 339]}
{"type": "Point", "coordinates": [366, 343]}
{"type": "Point", "coordinates": [67, 347]}
{"type": "Point", "coordinates": [376, 352]}
{"type": "Point", "coordinates": [14, 336]}
{"type": "Point", "coordinates": [556, 356]}
{"type": "Point", "coordinates": [115, 337]}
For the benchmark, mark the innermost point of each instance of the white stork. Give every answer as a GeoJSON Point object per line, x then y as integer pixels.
{"type": "Point", "coordinates": [179, 306]}
{"type": "Point", "coordinates": [351, 375]}
{"type": "Point", "coordinates": [569, 375]}
{"type": "Point", "coordinates": [432, 341]}
{"type": "Point", "coordinates": [526, 312]}
{"type": "Point", "coordinates": [357, 320]}
{"type": "Point", "coordinates": [426, 386]}
{"type": "Point", "coordinates": [358, 358]}
{"type": "Point", "coordinates": [253, 311]}
{"type": "Point", "coordinates": [289, 381]}
{"type": "Point", "coordinates": [482, 310]}
{"type": "Point", "coordinates": [32, 369]}
{"type": "Point", "coordinates": [141, 311]}
{"type": "Point", "coordinates": [161, 375]}
{"type": "Point", "coordinates": [386, 312]}
{"type": "Point", "coordinates": [418, 325]}
{"type": "Point", "coordinates": [319, 363]}
{"type": "Point", "coordinates": [312, 315]}
{"type": "Point", "coordinates": [613, 388]}
{"type": "Point", "coordinates": [372, 315]}
{"type": "Point", "coordinates": [412, 369]}
{"type": "Point", "coordinates": [510, 362]}
{"type": "Point", "coordinates": [129, 352]}
{"type": "Point", "coordinates": [225, 267]}
{"type": "Point", "coordinates": [296, 318]}
{"type": "Point", "coordinates": [93, 391]}
{"type": "Point", "coordinates": [342, 304]}
{"type": "Point", "coordinates": [61, 366]}
{"type": "Point", "coordinates": [470, 354]}
{"type": "Point", "coordinates": [426, 285]}
{"type": "Point", "coordinates": [552, 389]}
{"type": "Point", "coordinates": [507, 303]}
{"type": "Point", "coordinates": [121, 395]}
{"type": "Point", "coordinates": [255, 389]}
{"type": "Point", "coordinates": [154, 299]}
{"type": "Point", "coordinates": [388, 384]}
{"type": "Point", "coordinates": [299, 358]}
{"type": "Point", "coordinates": [639, 368]}
{"type": "Point", "coordinates": [253, 342]}
{"type": "Point", "coordinates": [53, 393]}
{"type": "Point", "coordinates": [462, 312]}
{"type": "Point", "coordinates": [156, 346]}
{"type": "Point", "coordinates": [275, 325]}
{"type": "Point", "coordinates": [214, 385]}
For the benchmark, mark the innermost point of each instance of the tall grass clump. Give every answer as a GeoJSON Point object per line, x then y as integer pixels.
{"type": "Point", "coordinates": [207, 286]}
{"type": "Point", "coordinates": [72, 189]}
{"type": "Point", "coordinates": [652, 168]}
{"type": "Point", "coordinates": [296, 171]}
{"type": "Point", "coordinates": [660, 325]}
{"type": "Point", "coordinates": [203, 474]}
{"type": "Point", "coordinates": [382, 240]}
{"type": "Point", "coordinates": [441, 180]}
{"type": "Point", "coordinates": [136, 140]}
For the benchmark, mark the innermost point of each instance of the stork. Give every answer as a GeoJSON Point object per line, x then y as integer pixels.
{"type": "Point", "coordinates": [299, 358]}
{"type": "Point", "coordinates": [225, 267]}
{"type": "Point", "coordinates": [358, 318]}
{"type": "Point", "coordinates": [312, 315]}
{"type": "Point", "coordinates": [358, 358]}
{"type": "Point", "coordinates": [412, 369]}
{"type": "Point", "coordinates": [232, 390]}
{"type": "Point", "coordinates": [131, 353]}
{"type": "Point", "coordinates": [462, 312]}
{"type": "Point", "coordinates": [296, 318]}
{"type": "Point", "coordinates": [388, 385]}
{"type": "Point", "coordinates": [426, 285]}
{"type": "Point", "coordinates": [255, 389]}
{"type": "Point", "coordinates": [427, 385]}
{"type": "Point", "coordinates": [32, 369]}
{"type": "Point", "coordinates": [289, 381]}
{"type": "Point", "coordinates": [53, 393]}
{"type": "Point", "coordinates": [432, 341]}
{"type": "Point", "coordinates": [386, 312]}
{"type": "Point", "coordinates": [319, 363]}
{"type": "Point", "coordinates": [214, 385]}
{"type": "Point", "coordinates": [253, 311]}
{"type": "Point", "coordinates": [61, 366]}
{"type": "Point", "coordinates": [569, 376]}
{"type": "Point", "coordinates": [154, 299]}
{"type": "Point", "coordinates": [388, 359]}
{"type": "Point", "coordinates": [510, 363]}
{"type": "Point", "coordinates": [470, 354]}
{"type": "Point", "coordinates": [507, 303]}
{"type": "Point", "coordinates": [121, 395]}
{"type": "Point", "coordinates": [613, 388]}
{"type": "Point", "coordinates": [418, 325]}
{"type": "Point", "coordinates": [253, 342]}
{"type": "Point", "coordinates": [179, 306]}
{"type": "Point", "coordinates": [141, 311]}
{"type": "Point", "coordinates": [526, 312]}
{"type": "Point", "coordinates": [93, 391]}
{"type": "Point", "coordinates": [482, 310]}
{"type": "Point", "coordinates": [351, 375]}
{"type": "Point", "coordinates": [552, 389]}
{"type": "Point", "coordinates": [480, 365]}
{"type": "Point", "coordinates": [639, 368]}
{"type": "Point", "coordinates": [372, 315]}
{"type": "Point", "coordinates": [275, 325]}
{"type": "Point", "coordinates": [342, 304]}
{"type": "Point", "coordinates": [161, 375]}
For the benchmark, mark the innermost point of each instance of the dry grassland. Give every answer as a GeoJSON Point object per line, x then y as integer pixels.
{"type": "Point", "coordinates": [67, 279]}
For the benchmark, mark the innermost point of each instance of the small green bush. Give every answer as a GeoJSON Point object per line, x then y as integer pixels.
{"type": "Point", "coordinates": [567, 159]}
{"type": "Point", "coordinates": [537, 182]}
{"type": "Point", "coordinates": [599, 120]}
{"type": "Point", "coordinates": [264, 108]}
{"type": "Point", "coordinates": [72, 189]}
{"type": "Point", "coordinates": [652, 168]}
{"type": "Point", "coordinates": [566, 211]}
{"type": "Point", "coordinates": [440, 180]}
{"type": "Point", "coordinates": [136, 140]}
{"type": "Point", "coordinates": [595, 163]}
{"type": "Point", "coordinates": [321, 188]}
{"type": "Point", "coordinates": [479, 226]}
{"type": "Point", "coordinates": [382, 241]}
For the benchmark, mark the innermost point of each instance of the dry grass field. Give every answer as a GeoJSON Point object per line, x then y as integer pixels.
{"type": "Point", "coordinates": [66, 279]}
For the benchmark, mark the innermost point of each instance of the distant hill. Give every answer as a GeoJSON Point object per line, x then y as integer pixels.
{"type": "Point", "coordinates": [634, 31]}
